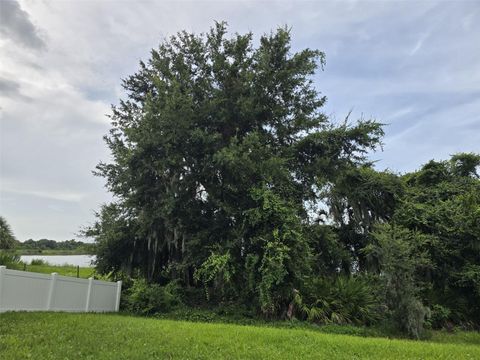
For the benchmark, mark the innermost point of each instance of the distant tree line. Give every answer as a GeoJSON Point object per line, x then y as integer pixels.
{"type": "Point", "coordinates": [9, 244]}
{"type": "Point", "coordinates": [46, 244]}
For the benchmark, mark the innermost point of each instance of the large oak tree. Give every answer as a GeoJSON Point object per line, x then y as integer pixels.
{"type": "Point", "coordinates": [219, 150]}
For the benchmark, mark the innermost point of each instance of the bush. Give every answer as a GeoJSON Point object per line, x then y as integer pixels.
{"type": "Point", "coordinates": [439, 316]}
{"type": "Point", "coordinates": [38, 262]}
{"type": "Point", "coordinates": [345, 300]}
{"type": "Point", "coordinates": [401, 256]}
{"type": "Point", "coordinates": [9, 258]}
{"type": "Point", "coordinates": [143, 298]}
{"type": "Point", "coordinates": [410, 316]}
{"type": "Point", "coordinates": [216, 272]}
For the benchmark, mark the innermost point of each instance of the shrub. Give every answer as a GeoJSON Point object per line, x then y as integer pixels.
{"type": "Point", "coordinates": [439, 316]}
{"type": "Point", "coordinates": [216, 272]}
{"type": "Point", "coordinates": [7, 239]}
{"type": "Point", "coordinates": [410, 316]}
{"type": "Point", "coordinates": [9, 258]}
{"type": "Point", "coordinates": [345, 300]}
{"type": "Point", "coordinates": [400, 253]}
{"type": "Point", "coordinates": [146, 299]}
{"type": "Point", "coordinates": [38, 262]}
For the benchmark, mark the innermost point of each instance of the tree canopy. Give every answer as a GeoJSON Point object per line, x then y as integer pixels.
{"type": "Point", "coordinates": [228, 177]}
{"type": "Point", "coordinates": [217, 149]}
{"type": "Point", "coordinates": [7, 239]}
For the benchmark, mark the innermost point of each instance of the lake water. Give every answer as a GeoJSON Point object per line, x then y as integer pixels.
{"type": "Point", "coordinates": [76, 260]}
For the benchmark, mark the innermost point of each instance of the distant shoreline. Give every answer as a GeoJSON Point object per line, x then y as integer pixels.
{"type": "Point", "coordinates": [51, 252]}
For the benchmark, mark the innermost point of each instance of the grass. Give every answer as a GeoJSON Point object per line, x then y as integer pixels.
{"type": "Point", "coordinates": [459, 337]}
{"type": "Point", "coordinates": [230, 315]}
{"type": "Point", "coordinates": [97, 336]}
{"type": "Point", "coordinates": [66, 270]}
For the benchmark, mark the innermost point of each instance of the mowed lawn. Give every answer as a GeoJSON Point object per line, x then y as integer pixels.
{"type": "Point", "coordinates": [65, 270]}
{"type": "Point", "coordinates": [96, 336]}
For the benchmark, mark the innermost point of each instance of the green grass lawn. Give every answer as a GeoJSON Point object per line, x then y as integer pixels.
{"type": "Point", "coordinates": [95, 336]}
{"type": "Point", "coordinates": [66, 270]}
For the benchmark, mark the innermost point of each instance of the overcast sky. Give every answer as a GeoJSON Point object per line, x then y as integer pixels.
{"type": "Point", "coordinates": [413, 65]}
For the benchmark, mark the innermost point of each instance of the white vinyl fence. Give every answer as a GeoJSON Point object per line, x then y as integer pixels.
{"type": "Point", "coordinates": [27, 291]}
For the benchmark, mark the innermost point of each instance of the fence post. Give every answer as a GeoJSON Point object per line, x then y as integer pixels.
{"type": "Point", "coordinates": [2, 272]}
{"type": "Point", "coordinates": [89, 294]}
{"type": "Point", "coordinates": [51, 293]}
{"type": "Point", "coordinates": [119, 292]}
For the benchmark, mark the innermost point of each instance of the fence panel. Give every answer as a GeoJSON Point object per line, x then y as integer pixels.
{"type": "Point", "coordinates": [70, 294]}
{"type": "Point", "coordinates": [23, 290]}
{"type": "Point", "coordinates": [103, 296]}
{"type": "Point", "coordinates": [26, 291]}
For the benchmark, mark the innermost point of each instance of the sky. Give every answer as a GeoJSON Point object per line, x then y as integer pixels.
{"type": "Point", "coordinates": [414, 66]}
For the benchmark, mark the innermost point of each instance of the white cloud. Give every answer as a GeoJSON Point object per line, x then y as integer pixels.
{"type": "Point", "coordinates": [15, 25]}
{"type": "Point", "coordinates": [419, 43]}
{"type": "Point", "coordinates": [48, 194]}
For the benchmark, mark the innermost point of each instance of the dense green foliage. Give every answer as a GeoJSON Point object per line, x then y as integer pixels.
{"type": "Point", "coordinates": [88, 336]}
{"type": "Point", "coordinates": [8, 256]}
{"type": "Point", "coordinates": [216, 151]}
{"type": "Point", "coordinates": [400, 259]}
{"type": "Point", "coordinates": [229, 179]}
{"type": "Point", "coordinates": [441, 208]}
{"type": "Point", "coordinates": [342, 300]}
{"type": "Point", "coordinates": [7, 239]}
{"type": "Point", "coordinates": [147, 299]}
